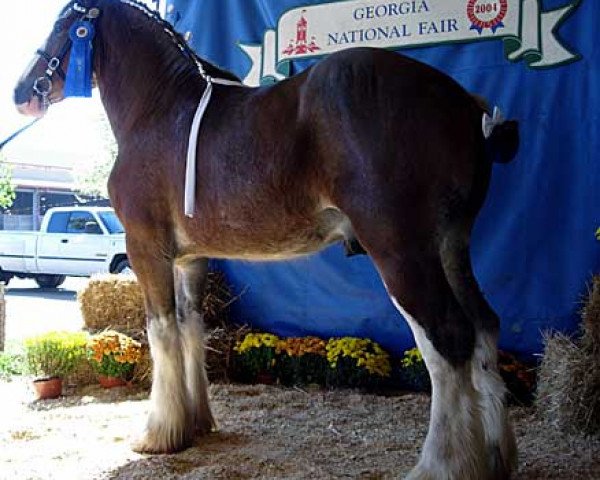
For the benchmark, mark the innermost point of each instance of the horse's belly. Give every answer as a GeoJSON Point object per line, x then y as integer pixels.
{"type": "Point", "coordinates": [266, 240]}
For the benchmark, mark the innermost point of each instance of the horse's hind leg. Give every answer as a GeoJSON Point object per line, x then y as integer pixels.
{"type": "Point", "coordinates": [499, 436]}
{"type": "Point", "coordinates": [169, 426]}
{"type": "Point", "coordinates": [190, 280]}
{"type": "Point", "coordinates": [415, 279]}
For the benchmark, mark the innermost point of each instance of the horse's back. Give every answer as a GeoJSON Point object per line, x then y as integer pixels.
{"type": "Point", "coordinates": [360, 72]}
{"type": "Point", "coordinates": [389, 127]}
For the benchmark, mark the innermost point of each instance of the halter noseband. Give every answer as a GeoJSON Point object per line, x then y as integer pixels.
{"type": "Point", "coordinates": [42, 86]}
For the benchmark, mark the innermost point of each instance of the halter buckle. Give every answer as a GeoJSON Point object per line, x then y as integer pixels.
{"type": "Point", "coordinates": [93, 13]}
{"type": "Point", "coordinates": [53, 63]}
{"type": "Point", "coordinates": [79, 8]}
{"type": "Point", "coordinates": [42, 86]}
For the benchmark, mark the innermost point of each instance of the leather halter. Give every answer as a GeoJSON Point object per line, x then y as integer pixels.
{"type": "Point", "coordinates": [42, 86]}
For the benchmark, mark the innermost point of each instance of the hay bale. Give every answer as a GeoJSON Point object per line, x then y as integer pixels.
{"type": "Point", "coordinates": [112, 302]}
{"type": "Point", "coordinates": [591, 315]}
{"type": "Point", "coordinates": [219, 355]}
{"type": "Point", "coordinates": [217, 298]}
{"type": "Point", "coordinates": [142, 372]}
{"type": "Point", "coordinates": [219, 351]}
{"type": "Point", "coordinates": [568, 394]}
{"type": "Point", "coordinates": [116, 302]}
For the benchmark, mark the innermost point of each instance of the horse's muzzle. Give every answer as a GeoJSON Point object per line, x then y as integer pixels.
{"type": "Point", "coordinates": [22, 93]}
{"type": "Point", "coordinates": [33, 107]}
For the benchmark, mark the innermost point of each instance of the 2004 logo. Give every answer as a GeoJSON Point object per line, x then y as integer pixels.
{"type": "Point", "coordinates": [486, 14]}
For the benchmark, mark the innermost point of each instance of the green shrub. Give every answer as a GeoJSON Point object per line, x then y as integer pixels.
{"type": "Point", "coordinates": [11, 364]}
{"type": "Point", "coordinates": [54, 354]}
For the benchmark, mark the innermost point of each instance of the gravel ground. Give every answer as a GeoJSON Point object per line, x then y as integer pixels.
{"type": "Point", "coordinates": [265, 432]}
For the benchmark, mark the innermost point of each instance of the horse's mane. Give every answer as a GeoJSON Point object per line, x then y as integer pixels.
{"type": "Point", "coordinates": [180, 42]}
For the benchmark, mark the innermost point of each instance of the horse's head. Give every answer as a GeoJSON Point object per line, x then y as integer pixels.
{"type": "Point", "coordinates": [43, 81]}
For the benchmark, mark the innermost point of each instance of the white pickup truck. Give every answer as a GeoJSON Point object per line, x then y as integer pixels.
{"type": "Point", "coordinates": [74, 241]}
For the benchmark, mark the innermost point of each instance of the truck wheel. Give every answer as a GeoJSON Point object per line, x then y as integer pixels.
{"type": "Point", "coordinates": [50, 281]}
{"type": "Point", "coordinates": [124, 267]}
{"type": "Point", "coordinates": [5, 277]}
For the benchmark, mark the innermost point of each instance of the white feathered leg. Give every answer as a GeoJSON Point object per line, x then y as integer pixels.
{"type": "Point", "coordinates": [499, 436]}
{"type": "Point", "coordinates": [454, 448]}
{"type": "Point", "coordinates": [169, 428]}
{"type": "Point", "coordinates": [190, 285]}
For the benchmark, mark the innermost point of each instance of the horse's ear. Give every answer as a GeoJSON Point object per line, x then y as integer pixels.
{"type": "Point", "coordinates": [85, 3]}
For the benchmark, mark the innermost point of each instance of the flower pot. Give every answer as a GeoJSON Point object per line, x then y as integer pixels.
{"type": "Point", "coordinates": [48, 388]}
{"type": "Point", "coordinates": [111, 382]}
{"type": "Point", "coordinates": [265, 378]}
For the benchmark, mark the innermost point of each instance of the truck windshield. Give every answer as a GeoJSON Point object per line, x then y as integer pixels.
{"type": "Point", "coordinates": [111, 222]}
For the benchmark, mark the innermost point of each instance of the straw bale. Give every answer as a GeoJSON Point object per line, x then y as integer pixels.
{"type": "Point", "coordinates": [591, 314]}
{"type": "Point", "coordinates": [112, 301]}
{"type": "Point", "coordinates": [219, 350]}
{"type": "Point", "coordinates": [142, 373]}
{"type": "Point", "coordinates": [219, 355]}
{"type": "Point", "coordinates": [217, 299]}
{"type": "Point", "coordinates": [117, 302]}
{"type": "Point", "coordinates": [568, 394]}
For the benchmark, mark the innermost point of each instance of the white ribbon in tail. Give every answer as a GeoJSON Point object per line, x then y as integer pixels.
{"type": "Point", "coordinates": [489, 123]}
{"type": "Point", "coordinates": [190, 167]}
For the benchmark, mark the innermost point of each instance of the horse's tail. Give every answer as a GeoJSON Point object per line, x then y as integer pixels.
{"type": "Point", "coordinates": [503, 142]}
{"type": "Point", "coordinates": [501, 136]}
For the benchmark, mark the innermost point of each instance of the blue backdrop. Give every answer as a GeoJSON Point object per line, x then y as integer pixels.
{"type": "Point", "coordinates": [533, 249]}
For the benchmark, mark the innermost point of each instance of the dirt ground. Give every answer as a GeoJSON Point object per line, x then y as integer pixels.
{"type": "Point", "coordinates": [265, 432]}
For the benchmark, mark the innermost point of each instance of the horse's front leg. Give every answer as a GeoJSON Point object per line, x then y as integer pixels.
{"type": "Point", "coordinates": [169, 427]}
{"type": "Point", "coordinates": [190, 283]}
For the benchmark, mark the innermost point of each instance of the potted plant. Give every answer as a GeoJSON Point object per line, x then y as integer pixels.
{"type": "Point", "coordinates": [413, 374]}
{"type": "Point", "coordinates": [302, 361]}
{"type": "Point", "coordinates": [113, 355]}
{"type": "Point", "coordinates": [52, 356]}
{"type": "Point", "coordinates": [255, 357]}
{"type": "Point", "coordinates": [356, 363]}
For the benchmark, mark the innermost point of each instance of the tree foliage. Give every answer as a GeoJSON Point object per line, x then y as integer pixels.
{"type": "Point", "coordinates": [92, 177]}
{"type": "Point", "coordinates": [7, 189]}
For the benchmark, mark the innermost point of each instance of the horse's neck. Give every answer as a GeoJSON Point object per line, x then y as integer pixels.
{"type": "Point", "coordinates": [141, 75]}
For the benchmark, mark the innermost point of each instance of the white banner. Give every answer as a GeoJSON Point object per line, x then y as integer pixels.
{"type": "Point", "coordinates": [317, 30]}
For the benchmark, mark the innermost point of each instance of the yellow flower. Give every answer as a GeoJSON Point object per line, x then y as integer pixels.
{"type": "Point", "coordinates": [367, 354]}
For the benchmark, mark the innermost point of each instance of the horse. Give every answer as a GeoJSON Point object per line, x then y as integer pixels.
{"type": "Point", "coordinates": [379, 149]}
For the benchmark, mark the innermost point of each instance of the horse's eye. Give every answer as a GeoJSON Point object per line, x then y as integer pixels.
{"type": "Point", "coordinates": [58, 26]}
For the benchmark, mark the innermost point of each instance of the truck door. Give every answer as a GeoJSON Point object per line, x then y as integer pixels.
{"type": "Point", "coordinates": [75, 251]}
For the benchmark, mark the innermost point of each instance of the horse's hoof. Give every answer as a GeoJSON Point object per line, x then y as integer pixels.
{"type": "Point", "coordinates": [206, 426]}
{"type": "Point", "coordinates": [502, 463]}
{"type": "Point", "coordinates": [419, 473]}
{"type": "Point", "coordinates": [151, 443]}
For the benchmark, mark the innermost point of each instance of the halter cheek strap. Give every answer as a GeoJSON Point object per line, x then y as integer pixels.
{"type": "Point", "coordinates": [53, 63]}
{"type": "Point", "coordinates": [42, 86]}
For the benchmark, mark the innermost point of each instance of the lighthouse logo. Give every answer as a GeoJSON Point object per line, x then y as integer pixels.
{"type": "Point", "coordinates": [301, 45]}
